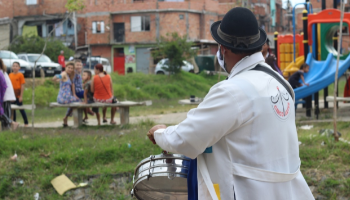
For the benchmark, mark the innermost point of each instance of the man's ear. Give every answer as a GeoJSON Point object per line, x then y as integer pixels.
{"type": "Point", "coordinates": [223, 49]}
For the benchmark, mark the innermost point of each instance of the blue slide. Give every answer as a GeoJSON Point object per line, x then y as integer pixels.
{"type": "Point", "coordinates": [321, 74]}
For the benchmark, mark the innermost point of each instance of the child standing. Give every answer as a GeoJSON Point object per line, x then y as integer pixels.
{"type": "Point", "coordinates": [66, 93]}
{"type": "Point", "coordinates": [17, 80]}
{"type": "Point", "coordinates": [294, 80]}
{"type": "Point", "coordinates": [88, 95]}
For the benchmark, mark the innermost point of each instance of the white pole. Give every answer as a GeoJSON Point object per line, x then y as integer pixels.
{"type": "Point", "coordinates": [336, 136]}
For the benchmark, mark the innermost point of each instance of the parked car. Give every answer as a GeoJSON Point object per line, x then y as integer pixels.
{"type": "Point", "coordinates": [49, 67]}
{"type": "Point", "coordinates": [97, 60]}
{"type": "Point", "coordinates": [188, 67]}
{"type": "Point", "coordinates": [26, 68]}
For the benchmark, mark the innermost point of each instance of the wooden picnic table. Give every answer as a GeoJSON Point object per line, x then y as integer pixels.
{"type": "Point", "coordinates": [78, 108]}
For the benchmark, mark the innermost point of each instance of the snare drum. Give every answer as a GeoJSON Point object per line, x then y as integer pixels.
{"type": "Point", "coordinates": [161, 176]}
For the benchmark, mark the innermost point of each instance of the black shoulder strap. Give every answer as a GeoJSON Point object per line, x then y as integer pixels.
{"type": "Point", "coordinates": [276, 76]}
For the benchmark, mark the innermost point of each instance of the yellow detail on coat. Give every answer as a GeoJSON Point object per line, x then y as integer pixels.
{"type": "Point", "coordinates": [217, 190]}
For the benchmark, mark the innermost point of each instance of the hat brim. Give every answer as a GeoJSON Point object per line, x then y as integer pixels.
{"type": "Point", "coordinates": [262, 40]}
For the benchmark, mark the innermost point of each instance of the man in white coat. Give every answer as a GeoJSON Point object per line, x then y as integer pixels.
{"type": "Point", "coordinates": [248, 120]}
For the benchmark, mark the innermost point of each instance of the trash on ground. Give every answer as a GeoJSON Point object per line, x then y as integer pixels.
{"type": "Point", "coordinates": [82, 184]}
{"type": "Point", "coordinates": [45, 155]}
{"type": "Point", "coordinates": [306, 127]}
{"type": "Point", "coordinates": [299, 143]}
{"type": "Point", "coordinates": [62, 184]}
{"type": "Point", "coordinates": [328, 132]}
{"type": "Point", "coordinates": [36, 196]}
{"type": "Point", "coordinates": [14, 157]}
{"type": "Point", "coordinates": [323, 143]}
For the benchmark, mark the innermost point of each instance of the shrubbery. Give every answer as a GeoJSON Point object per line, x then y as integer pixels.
{"type": "Point", "coordinates": [137, 87]}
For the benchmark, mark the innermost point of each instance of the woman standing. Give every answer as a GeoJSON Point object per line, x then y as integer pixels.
{"type": "Point", "coordinates": [66, 93]}
{"type": "Point", "coordinates": [270, 59]}
{"type": "Point", "coordinates": [9, 93]}
{"type": "Point", "coordinates": [102, 87]}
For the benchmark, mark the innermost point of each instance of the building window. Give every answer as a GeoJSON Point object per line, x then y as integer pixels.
{"type": "Point", "coordinates": [119, 32]}
{"type": "Point", "coordinates": [98, 27]}
{"type": "Point", "coordinates": [140, 23]}
{"type": "Point", "coordinates": [31, 2]}
{"type": "Point", "coordinates": [181, 16]}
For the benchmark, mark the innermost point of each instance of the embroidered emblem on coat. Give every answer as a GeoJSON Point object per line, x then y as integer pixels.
{"type": "Point", "coordinates": [281, 102]}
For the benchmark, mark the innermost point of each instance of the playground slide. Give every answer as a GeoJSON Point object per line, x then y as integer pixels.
{"type": "Point", "coordinates": [321, 74]}
{"type": "Point", "coordinates": [293, 67]}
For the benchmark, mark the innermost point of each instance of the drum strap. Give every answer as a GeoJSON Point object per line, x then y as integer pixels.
{"type": "Point", "coordinates": [205, 174]}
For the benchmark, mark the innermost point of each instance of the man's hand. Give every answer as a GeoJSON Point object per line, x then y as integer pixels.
{"type": "Point", "coordinates": [20, 99]}
{"type": "Point", "coordinates": [307, 84]}
{"type": "Point", "coordinates": [150, 133]}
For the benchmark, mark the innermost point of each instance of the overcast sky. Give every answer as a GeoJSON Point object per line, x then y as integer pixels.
{"type": "Point", "coordinates": [297, 1]}
{"type": "Point", "coordinates": [293, 2]}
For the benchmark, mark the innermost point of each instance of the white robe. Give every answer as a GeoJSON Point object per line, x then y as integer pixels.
{"type": "Point", "coordinates": [249, 120]}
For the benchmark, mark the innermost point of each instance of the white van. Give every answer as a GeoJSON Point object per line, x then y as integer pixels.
{"type": "Point", "coordinates": [95, 60]}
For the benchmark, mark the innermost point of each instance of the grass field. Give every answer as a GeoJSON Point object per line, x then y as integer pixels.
{"type": "Point", "coordinates": [136, 87]}
{"type": "Point", "coordinates": [89, 151]}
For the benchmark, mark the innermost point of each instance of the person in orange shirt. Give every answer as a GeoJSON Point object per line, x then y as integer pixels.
{"type": "Point", "coordinates": [61, 60]}
{"type": "Point", "coordinates": [18, 82]}
{"type": "Point", "coordinates": [102, 87]}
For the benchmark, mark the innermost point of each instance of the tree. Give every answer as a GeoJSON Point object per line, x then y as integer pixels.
{"type": "Point", "coordinates": [176, 49]}
{"type": "Point", "coordinates": [75, 5]}
{"type": "Point", "coordinates": [35, 44]}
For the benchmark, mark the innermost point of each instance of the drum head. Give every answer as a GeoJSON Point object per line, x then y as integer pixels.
{"type": "Point", "coordinates": [161, 188]}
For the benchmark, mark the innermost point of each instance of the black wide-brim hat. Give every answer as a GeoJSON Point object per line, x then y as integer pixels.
{"type": "Point", "coordinates": [239, 30]}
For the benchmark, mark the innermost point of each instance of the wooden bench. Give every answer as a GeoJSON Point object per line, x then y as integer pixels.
{"type": "Point", "coordinates": [331, 98]}
{"type": "Point", "coordinates": [23, 107]}
{"type": "Point", "coordinates": [16, 107]}
{"type": "Point", "coordinates": [124, 107]}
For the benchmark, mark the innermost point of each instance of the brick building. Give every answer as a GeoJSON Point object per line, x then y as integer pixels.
{"type": "Point", "coordinates": [124, 30]}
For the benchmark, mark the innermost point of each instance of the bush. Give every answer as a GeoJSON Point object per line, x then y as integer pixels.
{"type": "Point", "coordinates": [44, 94]}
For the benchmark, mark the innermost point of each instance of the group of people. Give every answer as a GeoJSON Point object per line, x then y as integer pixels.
{"type": "Point", "coordinates": [80, 86]}
{"type": "Point", "coordinates": [11, 92]}
{"type": "Point", "coordinates": [294, 79]}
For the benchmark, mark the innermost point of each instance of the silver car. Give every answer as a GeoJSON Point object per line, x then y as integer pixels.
{"type": "Point", "coordinates": [9, 58]}
{"type": "Point", "coordinates": [162, 65]}
{"type": "Point", "coordinates": [49, 67]}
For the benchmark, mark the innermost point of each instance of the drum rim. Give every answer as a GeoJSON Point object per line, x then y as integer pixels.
{"type": "Point", "coordinates": [160, 172]}
{"type": "Point", "coordinates": [159, 157]}
{"type": "Point", "coordinates": [158, 165]}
